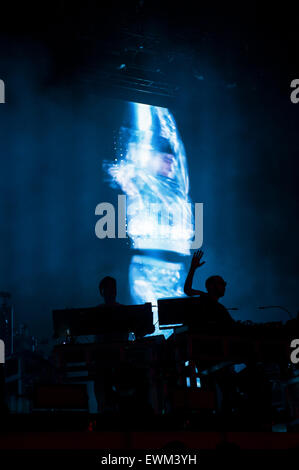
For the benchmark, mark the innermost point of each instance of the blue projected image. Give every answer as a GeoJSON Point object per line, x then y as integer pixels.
{"type": "Point", "coordinates": [151, 170]}
{"type": "Point", "coordinates": [153, 278]}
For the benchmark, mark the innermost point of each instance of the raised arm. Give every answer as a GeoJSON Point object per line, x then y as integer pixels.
{"type": "Point", "coordinates": [195, 263]}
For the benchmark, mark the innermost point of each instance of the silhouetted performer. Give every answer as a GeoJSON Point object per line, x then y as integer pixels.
{"type": "Point", "coordinates": [108, 290]}
{"type": "Point", "coordinates": [210, 310]}
{"type": "Point", "coordinates": [211, 313]}
{"type": "Point", "coordinates": [106, 377]}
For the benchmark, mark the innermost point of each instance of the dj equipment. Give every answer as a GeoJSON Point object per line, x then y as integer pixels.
{"type": "Point", "coordinates": [197, 312]}
{"type": "Point", "coordinates": [104, 319]}
{"type": "Point", "coordinates": [173, 311]}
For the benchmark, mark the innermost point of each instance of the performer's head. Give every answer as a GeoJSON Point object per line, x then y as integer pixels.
{"type": "Point", "coordinates": [166, 158]}
{"type": "Point", "coordinates": [107, 288]}
{"type": "Point", "coordinates": [215, 286]}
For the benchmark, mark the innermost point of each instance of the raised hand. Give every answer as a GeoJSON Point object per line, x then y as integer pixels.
{"type": "Point", "coordinates": [196, 259]}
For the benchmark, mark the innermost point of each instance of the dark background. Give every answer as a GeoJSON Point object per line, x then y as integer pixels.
{"type": "Point", "coordinates": [224, 72]}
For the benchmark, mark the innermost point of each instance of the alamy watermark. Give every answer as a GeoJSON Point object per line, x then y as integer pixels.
{"type": "Point", "coordinates": [153, 220]}
{"type": "Point", "coordinates": [2, 351]}
{"type": "Point", "coordinates": [295, 353]}
{"type": "Point", "coordinates": [295, 93]}
{"type": "Point", "coordinates": [2, 92]}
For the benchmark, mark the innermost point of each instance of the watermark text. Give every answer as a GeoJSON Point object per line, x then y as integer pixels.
{"type": "Point", "coordinates": [2, 352]}
{"type": "Point", "coordinates": [2, 92]}
{"type": "Point", "coordinates": [295, 93]}
{"type": "Point", "coordinates": [157, 221]}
